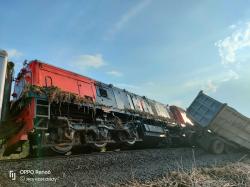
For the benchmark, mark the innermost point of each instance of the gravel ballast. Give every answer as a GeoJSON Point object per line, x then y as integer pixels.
{"type": "Point", "coordinates": [111, 168]}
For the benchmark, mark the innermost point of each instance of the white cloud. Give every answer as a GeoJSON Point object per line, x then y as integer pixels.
{"type": "Point", "coordinates": [125, 18]}
{"type": "Point", "coordinates": [212, 83]}
{"type": "Point", "coordinates": [233, 26]}
{"type": "Point", "coordinates": [115, 73]}
{"type": "Point", "coordinates": [233, 50]}
{"type": "Point", "coordinates": [14, 53]}
{"type": "Point", "coordinates": [202, 84]}
{"type": "Point", "coordinates": [89, 61]}
{"type": "Point", "coordinates": [229, 75]}
{"type": "Point", "coordinates": [210, 86]}
{"type": "Point", "coordinates": [233, 44]}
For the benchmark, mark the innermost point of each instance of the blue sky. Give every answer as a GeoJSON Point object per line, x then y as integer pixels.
{"type": "Point", "coordinates": [165, 50]}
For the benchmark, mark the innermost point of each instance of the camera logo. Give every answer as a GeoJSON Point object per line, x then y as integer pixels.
{"type": "Point", "coordinates": [12, 175]}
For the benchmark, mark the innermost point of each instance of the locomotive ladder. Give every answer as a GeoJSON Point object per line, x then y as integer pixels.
{"type": "Point", "coordinates": [44, 116]}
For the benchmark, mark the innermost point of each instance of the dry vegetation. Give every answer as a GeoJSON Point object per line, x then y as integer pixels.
{"type": "Point", "coordinates": [149, 167]}
{"type": "Point", "coordinates": [236, 174]}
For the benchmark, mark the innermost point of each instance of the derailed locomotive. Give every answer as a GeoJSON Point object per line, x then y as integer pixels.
{"type": "Point", "coordinates": [56, 108]}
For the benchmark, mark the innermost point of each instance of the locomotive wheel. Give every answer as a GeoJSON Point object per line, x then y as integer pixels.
{"type": "Point", "coordinates": [131, 142]}
{"type": "Point", "coordinates": [217, 146]}
{"type": "Point", "coordinates": [99, 145]}
{"type": "Point", "coordinates": [61, 149]}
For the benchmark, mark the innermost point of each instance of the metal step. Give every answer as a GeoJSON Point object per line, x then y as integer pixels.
{"type": "Point", "coordinates": [44, 106]}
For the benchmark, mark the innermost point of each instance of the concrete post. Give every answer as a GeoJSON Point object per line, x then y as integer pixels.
{"type": "Point", "coordinates": [3, 67]}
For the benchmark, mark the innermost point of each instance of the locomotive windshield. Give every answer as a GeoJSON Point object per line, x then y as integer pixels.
{"type": "Point", "coordinates": [19, 86]}
{"type": "Point", "coordinates": [23, 78]}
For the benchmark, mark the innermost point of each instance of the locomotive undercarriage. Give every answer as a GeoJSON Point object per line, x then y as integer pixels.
{"type": "Point", "coordinates": [62, 126]}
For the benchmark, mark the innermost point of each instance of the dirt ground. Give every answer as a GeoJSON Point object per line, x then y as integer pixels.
{"type": "Point", "coordinates": [150, 167]}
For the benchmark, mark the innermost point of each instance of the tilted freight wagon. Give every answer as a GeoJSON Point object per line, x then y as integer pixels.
{"type": "Point", "coordinates": [222, 128]}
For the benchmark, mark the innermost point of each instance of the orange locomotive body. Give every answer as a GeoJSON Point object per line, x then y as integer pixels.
{"type": "Point", "coordinates": [60, 109]}
{"type": "Point", "coordinates": [39, 74]}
